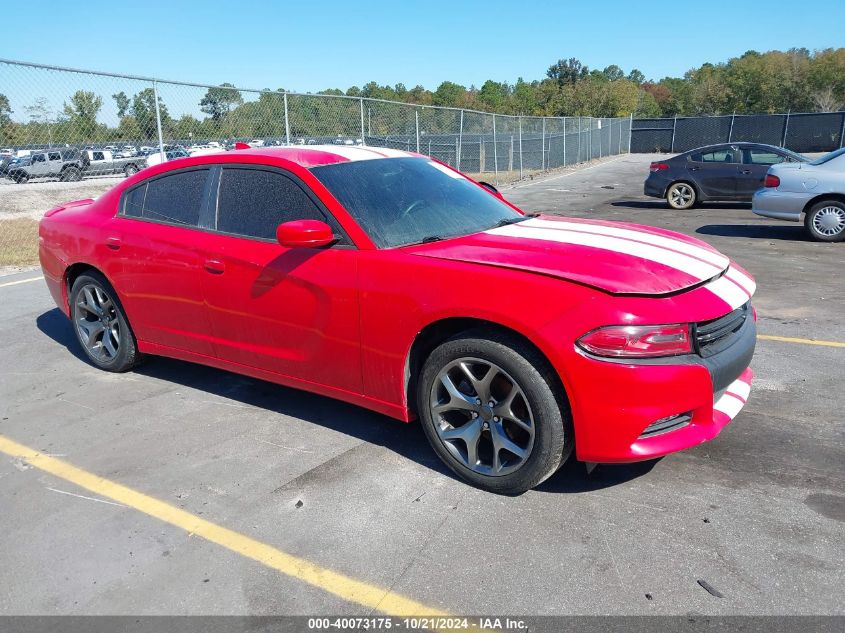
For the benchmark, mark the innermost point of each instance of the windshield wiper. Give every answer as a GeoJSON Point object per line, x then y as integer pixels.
{"type": "Point", "coordinates": [507, 221]}
{"type": "Point", "coordinates": [431, 238]}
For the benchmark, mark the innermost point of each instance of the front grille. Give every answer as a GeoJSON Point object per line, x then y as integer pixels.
{"type": "Point", "coordinates": [712, 337]}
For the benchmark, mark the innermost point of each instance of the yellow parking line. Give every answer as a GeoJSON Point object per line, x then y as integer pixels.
{"type": "Point", "coordinates": [349, 589]}
{"type": "Point", "coordinates": [800, 341]}
{"type": "Point", "coordinates": [21, 281]}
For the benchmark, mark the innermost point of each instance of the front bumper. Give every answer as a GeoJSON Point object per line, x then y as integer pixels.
{"type": "Point", "coordinates": [615, 423]}
{"type": "Point", "coordinates": [780, 205]}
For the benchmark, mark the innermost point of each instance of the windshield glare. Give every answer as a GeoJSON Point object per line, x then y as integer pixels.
{"type": "Point", "coordinates": [401, 201]}
{"type": "Point", "coordinates": [828, 157]}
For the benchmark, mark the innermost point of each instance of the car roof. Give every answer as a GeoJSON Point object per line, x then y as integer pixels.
{"type": "Point", "coordinates": [739, 144]}
{"type": "Point", "coordinates": [316, 155]}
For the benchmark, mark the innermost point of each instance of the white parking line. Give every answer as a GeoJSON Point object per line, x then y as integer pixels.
{"type": "Point", "coordinates": [21, 281]}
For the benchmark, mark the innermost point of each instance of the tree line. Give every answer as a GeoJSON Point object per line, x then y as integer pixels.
{"type": "Point", "coordinates": [796, 80]}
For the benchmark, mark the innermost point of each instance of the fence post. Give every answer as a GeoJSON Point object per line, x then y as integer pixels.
{"type": "Point", "coordinates": [510, 156]}
{"type": "Point", "coordinates": [577, 158]}
{"type": "Point", "coordinates": [543, 148]}
{"type": "Point", "coordinates": [363, 135]}
{"type": "Point", "coordinates": [785, 128]}
{"type": "Point", "coordinates": [460, 140]}
{"type": "Point", "coordinates": [630, 130]}
{"type": "Point", "coordinates": [417, 119]}
{"type": "Point", "coordinates": [731, 129]}
{"type": "Point", "coordinates": [287, 121]}
{"type": "Point", "coordinates": [495, 153]}
{"type": "Point", "coordinates": [674, 127]}
{"type": "Point", "coordinates": [158, 123]}
{"type": "Point", "coordinates": [520, 147]}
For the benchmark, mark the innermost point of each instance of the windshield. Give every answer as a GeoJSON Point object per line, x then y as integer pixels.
{"type": "Point", "coordinates": [828, 157]}
{"type": "Point", "coordinates": [23, 160]}
{"type": "Point", "coordinates": [400, 201]}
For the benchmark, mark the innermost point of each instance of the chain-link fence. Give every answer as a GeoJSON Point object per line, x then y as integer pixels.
{"type": "Point", "coordinates": [84, 129]}
{"type": "Point", "coordinates": [800, 132]}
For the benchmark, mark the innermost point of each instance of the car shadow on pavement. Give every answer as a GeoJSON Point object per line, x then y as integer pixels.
{"type": "Point", "coordinates": [792, 233]}
{"type": "Point", "coordinates": [661, 204]}
{"type": "Point", "coordinates": [407, 440]}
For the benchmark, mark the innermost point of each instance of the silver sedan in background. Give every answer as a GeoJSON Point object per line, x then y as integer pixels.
{"type": "Point", "coordinates": [815, 189]}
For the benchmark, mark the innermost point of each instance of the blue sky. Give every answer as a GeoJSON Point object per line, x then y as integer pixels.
{"type": "Point", "coordinates": [309, 46]}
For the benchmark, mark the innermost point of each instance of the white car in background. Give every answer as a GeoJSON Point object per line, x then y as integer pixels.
{"type": "Point", "coordinates": [815, 190]}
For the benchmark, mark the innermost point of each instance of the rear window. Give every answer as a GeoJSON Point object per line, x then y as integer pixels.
{"type": "Point", "coordinates": [175, 198]}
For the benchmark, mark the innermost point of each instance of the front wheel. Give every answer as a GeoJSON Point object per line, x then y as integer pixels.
{"type": "Point", "coordinates": [825, 221]}
{"type": "Point", "coordinates": [100, 324]}
{"type": "Point", "coordinates": [490, 409]}
{"type": "Point", "coordinates": [681, 195]}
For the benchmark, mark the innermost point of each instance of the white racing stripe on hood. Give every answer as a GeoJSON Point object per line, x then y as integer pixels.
{"type": "Point", "coordinates": [711, 257]}
{"type": "Point", "coordinates": [684, 263]}
{"type": "Point", "coordinates": [743, 280]}
{"type": "Point", "coordinates": [728, 292]}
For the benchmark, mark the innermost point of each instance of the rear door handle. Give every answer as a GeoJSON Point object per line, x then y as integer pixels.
{"type": "Point", "coordinates": [215, 266]}
{"type": "Point", "coordinates": [113, 243]}
{"type": "Point", "coordinates": [746, 171]}
{"type": "Point", "coordinates": [693, 168]}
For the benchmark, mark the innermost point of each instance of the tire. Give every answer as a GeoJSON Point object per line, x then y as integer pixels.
{"type": "Point", "coordinates": [130, 170]}
{"type": "Point", "coordinates": [20, 178]}
{"type": "Point", "coordinates": [681, 195]}
{"type": "Point", "coordinates": [825, 221]}
{"type": "Point", "coordinates": [100, 324]}
{"type": "Point", "coordinates": [71, 174]}
{"type": "Point", "coordinates": [453, 422]}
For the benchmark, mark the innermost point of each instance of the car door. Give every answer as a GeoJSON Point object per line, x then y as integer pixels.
{"type": "Point", "coordinates": [714, 172]}
{"type": "Point", "coordinates": [54, 163]}
{"type": "Point", "coordinates": [291, 311]}
{"type": "Point", "coordinates": [156, 245]}
{"type": "Point", "coordinates": [40, 166]}
{"type": "Point", "coordinates": [755, 164]}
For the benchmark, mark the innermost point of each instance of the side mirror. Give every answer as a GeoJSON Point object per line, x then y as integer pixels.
{"type": "Point", "coordinates": [490, 188]}
{"type": "Point", "coordinates": [304, 234]}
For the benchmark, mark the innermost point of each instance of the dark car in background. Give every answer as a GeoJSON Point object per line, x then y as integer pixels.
{"type": "Point", "coordinates": [729, 172]}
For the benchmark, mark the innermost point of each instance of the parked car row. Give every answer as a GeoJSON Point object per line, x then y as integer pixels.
{"type": "Point", "coordinates": [779, 183]}
{"type": "Point", "coordinates": [71, 164]}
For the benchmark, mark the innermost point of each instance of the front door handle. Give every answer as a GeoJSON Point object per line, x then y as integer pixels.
{"type": "Point", "coordinates": [113, 243]}
{"type": "Point", "coordinates": [215, 266]}
{"type": "Point", "coordinates": [693, 168]}
{"type": "Point", "coordinates": [746, 171]}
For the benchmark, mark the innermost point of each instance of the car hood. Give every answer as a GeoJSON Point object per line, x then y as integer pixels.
{"type": "Point", "coordinates": [618, 258]}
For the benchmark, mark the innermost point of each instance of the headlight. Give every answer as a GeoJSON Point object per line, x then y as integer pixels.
{"type": "Point", "coordinates": [638, 341]}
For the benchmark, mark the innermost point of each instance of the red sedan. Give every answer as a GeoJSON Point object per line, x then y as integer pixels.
{"type": "Point", "coordinates": [391, 281]}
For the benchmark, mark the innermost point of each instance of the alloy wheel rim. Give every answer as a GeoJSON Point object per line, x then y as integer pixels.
{"type": "Point", "coordinates": [829, 221]}
{"type": "Point", "coordinates": [95, 316]}
{"type": "Point", "coordinates": [681, 195]}
{"type": "Point", "coordinates": [482, 416]}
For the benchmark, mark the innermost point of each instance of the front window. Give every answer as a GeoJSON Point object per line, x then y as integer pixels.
{"type": "Point", "coordinates": [401, 201]}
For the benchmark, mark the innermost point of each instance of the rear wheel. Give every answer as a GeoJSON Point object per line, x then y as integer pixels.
{"type": "Point", "coordinates": [21, 178]}
{"type": "Point", "coordinates": [681, 195]}
{"type": "Point", "coordinates": [100, 324]}
{"type": "Point", "coordinates": [825, 221]}
{"type": "Point", "coordinates": [71, 174]}
{"type": "Point", "coordinates": [489, 409]}
{"type": "Point", "coordinates": [130, 170]}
